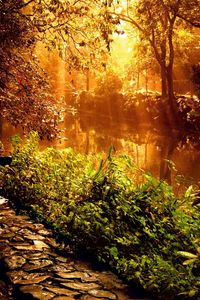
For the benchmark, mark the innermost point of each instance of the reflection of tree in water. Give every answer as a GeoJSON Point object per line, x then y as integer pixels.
{"type": "Point", "coordinates": [167, 146]}
{"type": "Point", "coordinates": [150, 148]}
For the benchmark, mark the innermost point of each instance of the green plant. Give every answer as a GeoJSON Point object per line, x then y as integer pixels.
{"type": "Point", "coordinates": [138, 229]}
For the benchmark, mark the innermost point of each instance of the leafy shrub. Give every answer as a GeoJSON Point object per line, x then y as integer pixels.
{"type": "Point", "coordinates": [140, 230]}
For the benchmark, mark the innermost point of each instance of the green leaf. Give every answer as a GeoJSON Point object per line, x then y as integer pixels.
{"type": "Point", "coordinates": [189, 191]}
{"type": "Point", "coordinates": [114, 252]}
{"type": "Point", "coordinates": [192, 293]}
{"type": "Point", "coordinates": [187, 254]}
{"type": "Point", "coordinates": [189, 261]}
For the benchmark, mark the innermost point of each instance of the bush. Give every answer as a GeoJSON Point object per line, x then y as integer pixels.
{"type": "Point", "coordinates": [140, 230]}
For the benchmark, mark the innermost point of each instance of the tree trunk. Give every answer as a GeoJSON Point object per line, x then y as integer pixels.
{"type": "Point", "coordinates": [87, 80]}
{"type": "Point", "coordinates": [163, 81]}
{"type": "Point", "coordinates": [163, 68]}
{"type": "Point", "coordinates": [173, 106]}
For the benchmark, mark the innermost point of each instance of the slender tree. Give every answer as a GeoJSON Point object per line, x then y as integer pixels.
{"type": "Point", "coordinates": [156, 22]}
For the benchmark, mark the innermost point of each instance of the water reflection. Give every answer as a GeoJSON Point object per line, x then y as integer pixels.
{"type": "Point", "coordinates": [150, 148]}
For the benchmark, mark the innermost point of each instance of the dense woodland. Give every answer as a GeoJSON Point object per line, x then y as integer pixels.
{"type": "Point", "coordinates": [83, 32]}
{"type": "Point", "coordinates": [139, 60]}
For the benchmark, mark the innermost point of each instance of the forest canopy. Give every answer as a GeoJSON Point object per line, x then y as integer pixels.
{"type": "Point", "coordinates": [82, 32]}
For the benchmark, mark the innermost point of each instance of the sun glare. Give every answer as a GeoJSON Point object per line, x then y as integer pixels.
{"type": "Point", "coordinates": [122, 49]}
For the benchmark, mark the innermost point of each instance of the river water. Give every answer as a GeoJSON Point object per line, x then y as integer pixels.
{"type": "Point", "coordinates": [151, 149]}
{"type": "Point", "coordinates": [166, 154]}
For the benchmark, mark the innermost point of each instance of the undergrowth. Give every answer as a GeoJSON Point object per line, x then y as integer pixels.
{"type": "Point", "coordinates": [145, 233]}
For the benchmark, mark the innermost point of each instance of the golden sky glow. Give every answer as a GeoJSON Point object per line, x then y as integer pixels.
{"type": "Point", "coordinates": [122, 49]}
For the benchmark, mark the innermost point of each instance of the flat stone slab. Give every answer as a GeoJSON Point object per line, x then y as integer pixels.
{"type": "Point", "coordinates": [37, 269]}
{"type": "Point", "coordinates": [14, 262]}
{"type": "Point", "coordinates": [79, 286]}
{"type": "Point", "coordinates": [62, 291]}
{"type": "Point", "coordinates": [32, 281]}
{"type": "Point", "coordinates": [37, 265]}
{"type": "Point", "coordinates": [37, 292]}
{"type": "Point", "coordinates": [63, 298]}
{"type": "Point", "coordinates": [89, 297]}
{"type": "Point", "coordinates": [73, 275]}
{"type": "Point", "coordinates": [102, 294]}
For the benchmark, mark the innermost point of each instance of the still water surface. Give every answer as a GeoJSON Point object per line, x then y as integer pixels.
{"type": "Point", "coordinates": [149, 147]}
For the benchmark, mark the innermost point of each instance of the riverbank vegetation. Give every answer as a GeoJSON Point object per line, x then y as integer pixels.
{"type": "Point", "coordinates": [140, 229]}
{"type": "Point", "coordinates": [139, 108]}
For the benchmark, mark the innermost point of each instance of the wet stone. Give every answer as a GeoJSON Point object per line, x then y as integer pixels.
{"type": "Point", "coordinates": [17, 239]}
{"type": "Point", "coordinates": [38, 226]}
{"type": "Point", "coordinates": [62, 259]}
{"type": "Point", "coordinates": [62, 269]}
{"type": "Point", "coordinates": [27, 248]}
{"type": "Point", "coordinates": [73, 275]}
{"type": "Point", "coordinates": [8, 220]}
{"type": "Point", "coordinates": [24, 231]}
{"type": "Point", "coordinates": [37, 292]}
{"type": "Point", "coordinates": [62, 291]}
{"type": "Point", "coordinates": [14, 262]}
{"type": "Point", "coordinates": [21, 243]}
{"type": "Point", "coordinates": [7, 212]}
{"type": "Point", "coordinates": [40, 245]}
{"type": "Point", "coordinates": [4, 229]}
{"type": "Point", "coordinates": [4, 249]}
{"type": "Point", "coordinates": [63, 298]}
{"type": "Point", "coordinates": [79, 286]}
{"type": "Point", "coordinates": [88, 297]}
{"type": "Point", "coordinates": [82, 266]}
{"type": "Point", "coordinates": [69, 263]}
{"type": "Point", "coordinates": [32, 281]}
{"type": "Point", "coordinates": [37, 265]}
{"type": "Point", "coordinates": [6, 235]}
{"type": "Point", "coordinates": [33, 227]}
{"type": "Point", "coordinates": [9, 253]}
{"type": "Point", "coordinates": [51, 242]}
{"type": "Point", "coordinates": [51, 253]}
{"type": "Point", "coordinates": [14, 229]}
{"type": "Point", "coordinates": [36, 256]}
{"type": "Point", "coordinates": [16, 275]}
{"type": "Point", "coordinates": [21, 218]}
{"type": "Point", "coordinates": [62, 280]}
{"type": "Point", "coordinates": [33, 237]}
{"type": "Point", "coordinates": [91, 278]}
{"type": "Point", "coordinates": [45, 232]}
{"type": "Point", "coordinates": [102, 294]}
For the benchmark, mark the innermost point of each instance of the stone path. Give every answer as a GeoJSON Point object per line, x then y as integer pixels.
{"type": "Point", "coordinates": [32, 261]}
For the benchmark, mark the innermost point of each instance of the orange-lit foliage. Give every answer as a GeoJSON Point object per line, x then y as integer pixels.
{"type": "Point", "coordinates": [82, 32]}
{"type": "Point", "coordinates": [76, 29]}
{"type": "Point", "coordinates": [157, 22]}
{"type": "Point", "coordinates": [25, 98]}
